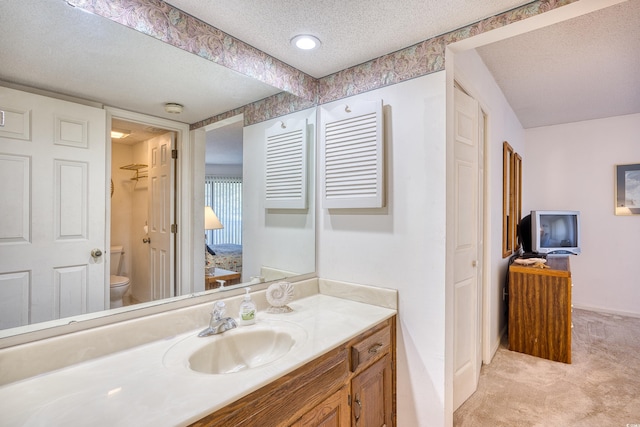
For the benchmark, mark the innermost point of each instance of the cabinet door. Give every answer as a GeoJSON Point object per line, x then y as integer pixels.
{"type": "Point", "coordinates": [332, 412]}
{"type": "Point", "coordinates": [372, 395]}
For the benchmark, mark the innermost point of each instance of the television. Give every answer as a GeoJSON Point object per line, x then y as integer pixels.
{"type": "Point", "coordinates": [551, 232]}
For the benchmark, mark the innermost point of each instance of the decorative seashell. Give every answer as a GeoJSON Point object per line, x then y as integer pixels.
{"type": "Point", "coordinates": [278, 296]}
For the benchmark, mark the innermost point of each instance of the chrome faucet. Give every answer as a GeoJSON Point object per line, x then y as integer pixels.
{"type": "Point", "coordinates": [218, 324]}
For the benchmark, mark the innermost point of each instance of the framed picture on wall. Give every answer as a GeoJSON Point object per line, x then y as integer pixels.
{"type": "Point", "coordinates": [627, 189]}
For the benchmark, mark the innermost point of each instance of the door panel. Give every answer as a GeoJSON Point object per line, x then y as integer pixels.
{"type": "Point", "coordinates": [161, 215]}
{"type": "Point", "coordinates": [467, 352]}
{"type": "Point", "coordinates": [52, 209]}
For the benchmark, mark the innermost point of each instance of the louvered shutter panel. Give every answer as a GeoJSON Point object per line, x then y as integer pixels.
{"type": "Point", "coordinates": [352, 156]}
{"type": "Point", "coordinates": [286, 166]}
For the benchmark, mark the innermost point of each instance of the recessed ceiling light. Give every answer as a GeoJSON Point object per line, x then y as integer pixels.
{"type": "Point", "coordinates": [305, 42]}
{"type": "Point", "coordinates": [119, 133]}
{"type": "Point", "coordinates": [173, 108]}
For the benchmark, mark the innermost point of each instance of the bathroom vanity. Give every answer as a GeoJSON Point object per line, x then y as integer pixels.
{"type": "Point", "coordinates": [351, 385]}
{"type": "Point", "coordinates": [337, 370]}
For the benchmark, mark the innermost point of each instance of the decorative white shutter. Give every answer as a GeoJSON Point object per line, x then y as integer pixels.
{"type": "Point", "coordinates": [352, 156]}
{"type": "Point", "coordinates": [286, 165]}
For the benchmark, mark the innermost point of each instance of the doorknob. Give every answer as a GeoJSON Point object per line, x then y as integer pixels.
{"type": "Point", "coordinates": [146, 240]}
{"type": "Point", "coordinates": [474, 263]}
{"type": "Point", "coordinates": [96, 253]}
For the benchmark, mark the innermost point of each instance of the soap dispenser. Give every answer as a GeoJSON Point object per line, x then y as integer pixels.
{"type": "Point", "coordinates": [248, 310]}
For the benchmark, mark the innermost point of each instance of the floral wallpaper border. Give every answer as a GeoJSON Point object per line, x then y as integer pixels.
{"type": "Point", "coordinates": [170, 25]}
{"type": "Point", "coordinates": [420, 59]}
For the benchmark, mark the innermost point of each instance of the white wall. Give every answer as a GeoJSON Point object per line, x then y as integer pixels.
{"type": "Point", "coordinates": [402, 246]}
{"type": "Point", "coordinates": [291, 231]}
{"type": "Point", "coordinates": [571, 166]}
{"type": "Point", "coordinates": [502, 125]}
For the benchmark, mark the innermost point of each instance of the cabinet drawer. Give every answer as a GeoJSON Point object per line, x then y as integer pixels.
{"type": "Point", "coordinates": [370, 348]}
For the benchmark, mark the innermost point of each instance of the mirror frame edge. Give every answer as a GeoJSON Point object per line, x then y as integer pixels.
{"type": "Point", "coordinates": [507, 199]}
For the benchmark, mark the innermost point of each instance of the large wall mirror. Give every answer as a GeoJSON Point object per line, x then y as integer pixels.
{"type": "Point", "coordinates": [75, 55]}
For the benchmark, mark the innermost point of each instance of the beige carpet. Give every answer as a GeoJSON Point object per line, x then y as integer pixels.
{"type": "Point", "coordinates": [600, 388]}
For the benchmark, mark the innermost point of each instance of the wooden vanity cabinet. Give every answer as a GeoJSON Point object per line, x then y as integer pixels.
{"type": "Point", "coordinates": [372, 394]}
{"type": "Point", "coordinates": [351, 385]}
{"type": "Point", "coordinates": [334, 411]}
{"type": "Point", "coordinates": [372, 386]}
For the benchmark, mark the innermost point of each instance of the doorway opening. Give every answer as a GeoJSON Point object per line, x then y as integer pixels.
{"type": "Point", "coordinates": [142, 201]}
{"type": "Point", "coordinates": [223, 194]}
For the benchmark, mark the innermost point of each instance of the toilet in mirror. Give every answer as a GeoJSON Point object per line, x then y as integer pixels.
{"type": "Point", "coordinates": [118, 284]}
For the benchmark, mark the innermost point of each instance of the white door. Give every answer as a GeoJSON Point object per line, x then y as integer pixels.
{"type": "Point", "coordinates": [467, 284]}
{"type": "Point", "coordinates": [52, 209]}
{"type": "Point", "coordinates": [161, 215]}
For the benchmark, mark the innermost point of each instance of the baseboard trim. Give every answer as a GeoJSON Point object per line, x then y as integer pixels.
{"type": "Point", "coordinates": [607, 311]}
{"type": "Point", "coordinates": [496, 345]}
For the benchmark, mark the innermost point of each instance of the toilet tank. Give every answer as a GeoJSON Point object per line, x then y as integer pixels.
{"type": "Point", "coordinates": [116, 260]}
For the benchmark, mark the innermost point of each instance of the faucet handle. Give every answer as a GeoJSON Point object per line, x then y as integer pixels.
{"type": "Point", "coordinates": [218, 310]}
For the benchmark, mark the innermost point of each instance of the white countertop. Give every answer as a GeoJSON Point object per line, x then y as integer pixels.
{"type": "Point", "coordinates": [134, 387]}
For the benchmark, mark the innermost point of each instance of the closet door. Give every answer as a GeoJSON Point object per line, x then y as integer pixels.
{"type": "Point", "coordinates": [52, 209]}
{"type": "Point", "coordinates": [161, 215]}
{"type": "Point", "coordinates": [467, 242]}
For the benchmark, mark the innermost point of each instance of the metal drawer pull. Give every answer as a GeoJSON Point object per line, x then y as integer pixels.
{"type": "Point", "coordinates": [375, 348]}
{"type": "Point", "coordinates": [1, 118]}
{"type": "Point", "coordinates": [357, 416]}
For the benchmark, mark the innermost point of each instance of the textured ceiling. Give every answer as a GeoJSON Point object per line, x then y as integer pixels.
{"type": "Point", "coordinates": [352, 32]}
{"type": "Point", "coordinates": [581, 69]}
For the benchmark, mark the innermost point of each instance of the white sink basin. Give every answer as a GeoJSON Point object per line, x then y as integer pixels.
{"type": "Point", "coordinates": [242, 348]}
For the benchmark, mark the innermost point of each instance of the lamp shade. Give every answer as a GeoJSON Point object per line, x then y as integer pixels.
{"type": "Point", "coordinates": [211, 221]}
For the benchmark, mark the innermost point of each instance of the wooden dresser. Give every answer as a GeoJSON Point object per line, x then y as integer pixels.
{"type": "Point", "coordinates": [540, 310]}
{"type": "Point", "coordinates": [229, 277]}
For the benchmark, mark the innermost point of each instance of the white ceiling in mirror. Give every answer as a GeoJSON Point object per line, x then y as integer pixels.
{"type": "Point", "coordinates": [224, 144]}
{"type": "Point", "coordinates": [137, 132]}
{"type": "Point", "coordinates": [50, 45]}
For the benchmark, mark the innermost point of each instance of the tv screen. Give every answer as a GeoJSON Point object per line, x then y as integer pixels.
{"type": "Point", "coordinates": [555, 232]}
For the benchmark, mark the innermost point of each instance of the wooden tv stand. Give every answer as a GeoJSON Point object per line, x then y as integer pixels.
{"type": "Point", "coordinates": [540, 309]}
